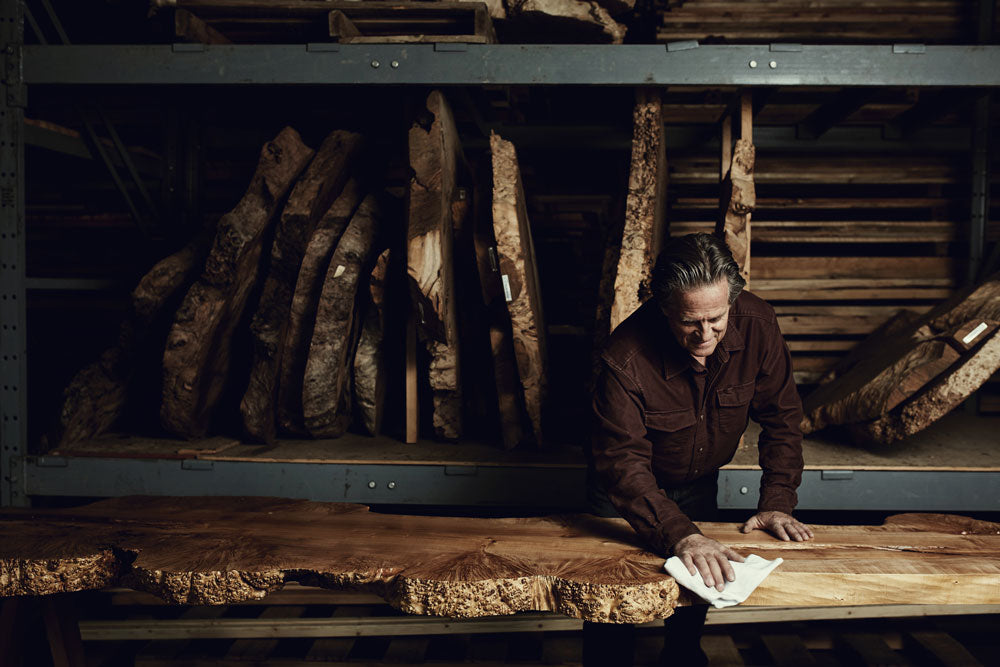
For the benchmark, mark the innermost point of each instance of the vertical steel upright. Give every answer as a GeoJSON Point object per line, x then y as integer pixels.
{"type": "Point", "coordinates": [13, 361]}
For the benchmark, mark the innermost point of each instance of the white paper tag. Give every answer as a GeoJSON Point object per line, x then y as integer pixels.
{"type": "Point", "coordinates": [506, 287]}
{"type": "Point", "coordinates": [972, 335]}
{"type": "Point", "coordinates": [340, 271]}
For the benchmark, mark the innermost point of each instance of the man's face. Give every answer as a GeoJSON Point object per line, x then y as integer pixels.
{"type": "Point", "coordinates": [698, 317]}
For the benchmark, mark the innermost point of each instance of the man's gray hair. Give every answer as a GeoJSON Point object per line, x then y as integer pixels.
{"type": "Point", "coordinates": [691, 261]}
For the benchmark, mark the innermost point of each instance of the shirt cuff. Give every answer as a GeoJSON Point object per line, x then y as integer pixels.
{"type": "Point", "coordinates": [673, 532]}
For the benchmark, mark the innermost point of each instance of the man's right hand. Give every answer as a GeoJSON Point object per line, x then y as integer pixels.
{"type": "Point", "coordinates": [711, 558]}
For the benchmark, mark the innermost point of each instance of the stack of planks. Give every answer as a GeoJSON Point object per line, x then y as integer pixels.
{"type": "Point", "coordinates": [817, 21]}
{"type": "Point", "coordinates": [293, 305]}
{"type": "Point", "coordinates": [379, 21]}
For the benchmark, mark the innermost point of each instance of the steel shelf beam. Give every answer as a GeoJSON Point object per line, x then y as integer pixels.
{"type": "Point", "coordinates": [515, 64]}
{"type": "Point", "coordinates": [550, 489]}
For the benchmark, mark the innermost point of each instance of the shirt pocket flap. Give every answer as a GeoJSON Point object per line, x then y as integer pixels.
{"type": "Point", "coordinates": [737, 395]}
{"type": "Point", "coordinates": [672, 420]}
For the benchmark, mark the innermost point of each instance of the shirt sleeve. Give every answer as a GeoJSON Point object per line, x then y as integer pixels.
{"type": "Point", "coordinates": [777, 408]}
{"type": "Point", "coordinates": [622, 458]}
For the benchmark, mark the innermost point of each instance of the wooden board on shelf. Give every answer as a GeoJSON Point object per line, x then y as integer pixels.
{"type": "Point", "coordinates": [369, 362]}
{"type": "Point", "coordinates": [410, 22]}
{"type": "Point", "coordinates": [233, 549]}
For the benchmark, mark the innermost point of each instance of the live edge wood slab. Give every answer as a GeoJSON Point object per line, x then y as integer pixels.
{"type": "Point", "coordinates": [227, 550]}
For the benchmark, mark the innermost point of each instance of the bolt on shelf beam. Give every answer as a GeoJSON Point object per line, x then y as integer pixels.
{"type": "Point", "coordinates": [515, 64]}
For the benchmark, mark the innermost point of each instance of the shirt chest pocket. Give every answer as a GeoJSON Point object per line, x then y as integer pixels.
{"type": "Point", "coordinates": [669, 425]}
{"type": "Point", "coordinates": [733, 404]}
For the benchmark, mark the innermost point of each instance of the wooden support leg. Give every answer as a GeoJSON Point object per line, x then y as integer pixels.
{"type": "Point", "coordinates": [412, 406]}
{"type": "Point", "coordinates": [63, 630]}
{"type": "Point", "coordinates": [10, 646]}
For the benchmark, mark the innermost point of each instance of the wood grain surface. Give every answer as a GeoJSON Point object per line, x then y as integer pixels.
{"type": "Point", "coordinates": [226, 550]}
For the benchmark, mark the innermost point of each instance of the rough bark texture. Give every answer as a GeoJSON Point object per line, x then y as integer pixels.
{"type": "Point", "coordinates": [435, 157]}
{"type": "Point", "coordinates": [196, 359]}
{"type": "Point", "coordinates": [302, 313]}
{"type": "Point", "coordinates": [738, 201]}
{"type": "Point", "coordinates": [917, 369]}
{"type": "Point", "coordinates": [312, 196]}
{"type": "Point", "coordinates": [369, 362]}
{"type": "Point", "coordinates": [227, 550]}
{"type": "Point", "coordinates": [519, 270]}
{"type": "Point", "coordinates": [644, 208]}
{"type": "Point", "coordinates": [326, 395]}
{"type": "Point", "coordinates": [96, 397]}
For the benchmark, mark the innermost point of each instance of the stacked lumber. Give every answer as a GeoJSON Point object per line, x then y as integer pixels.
{"type": "Point", "coordinates": [817, 21]}
{"type": "Point", "coordinates": [227, 550]}
{"type": "Point", "coordinates": [913, 369]}
{"type": "Point", "coordinates": [379, 21]}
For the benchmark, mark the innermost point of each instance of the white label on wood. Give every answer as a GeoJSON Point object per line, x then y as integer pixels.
{"type": "Point", "coordinates": [340, 271]}
{"type": "Point", "coordinates": [972, 335]}
{"type": "Point", "coordinates": [506, 287]}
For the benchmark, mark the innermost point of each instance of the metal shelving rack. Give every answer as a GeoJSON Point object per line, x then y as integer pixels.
{"type": "Point", "coordinates": [549, 487]}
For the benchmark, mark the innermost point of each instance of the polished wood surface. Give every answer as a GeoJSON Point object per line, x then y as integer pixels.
{"type": "Point", "coordinates": [225, 550]}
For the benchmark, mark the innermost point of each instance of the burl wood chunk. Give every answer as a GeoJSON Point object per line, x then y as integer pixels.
{"type": "Point", "coordinates": [738, 201]}
{"type": "Point", "coordinates": [519, 274]}
{"type": "Point", "coordinates": [228, 550]}
{"type": "Point", "coordinates": [326, 389]}
{"type": "Point", "coordinates": [568, 21]}
{"type": "Point", "coordinates": [644, 208]}
{"type": "Point", "coordinates": [369, 362]}
{"type": "Point", "coordinates": [196, 359]}
{"type": "Point", "coordinates": [96, 397]}
{"type": "Point", "coordinates": [918, 369]}
{"type": "Point", "coordinates": [436, 158]}
{"type": "Point", "coordinates": [312, 196]}
{"type": "Point", "coordinates": [302, 314]}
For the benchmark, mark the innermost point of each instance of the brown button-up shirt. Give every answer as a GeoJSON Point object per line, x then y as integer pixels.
{"type": "Point", "coordinates": [663, 419]}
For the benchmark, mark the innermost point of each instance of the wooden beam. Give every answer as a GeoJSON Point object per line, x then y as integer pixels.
{"type": "Point", "coordinates": [843, 106]}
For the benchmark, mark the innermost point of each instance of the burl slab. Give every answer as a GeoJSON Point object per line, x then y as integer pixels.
{"type": "Point", "coordinates": [226, 550]}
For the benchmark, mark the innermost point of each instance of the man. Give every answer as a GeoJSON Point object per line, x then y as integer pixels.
{"type": "Point", "coordinates": [679, 379]}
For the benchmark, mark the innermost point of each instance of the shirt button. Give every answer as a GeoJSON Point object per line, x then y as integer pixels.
{"type": "Point", "coordinates": [702, 417]}
{"type": "Point", "coordinates": [701, 449]}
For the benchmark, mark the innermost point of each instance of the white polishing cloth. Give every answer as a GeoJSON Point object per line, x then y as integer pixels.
{"type": "Point", "coordinates": [749, 574]}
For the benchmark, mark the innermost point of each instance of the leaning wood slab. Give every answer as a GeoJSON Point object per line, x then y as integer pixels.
{"type": "Point", "coordinates": [914, 369]}
{"type": "Point", "coordinates": [96, 396]}
{"type": "Point", "coordinates": [326, 388]}
{"type": "Point", "coordinates": [312, 196]}
{"type": "Point", "coordinates": [738, 201]}
{"type": "Point", "coordinates": [196, 359]}
{"type": "Point", "coordinates": [302, 313]}
{"type": "Point", "coordinates": [644, 208]}
{"type": "Point", "coordinates": [437, 159]}
{"type": "Point", "coordinates": [227, 550]}
{"type": "Point", "coordinates": [369, 362]}
{"type": "Point", "coordinates": [519, 276]}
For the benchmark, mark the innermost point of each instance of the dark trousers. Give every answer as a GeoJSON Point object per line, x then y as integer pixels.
{"type": "Point", "coordinates": [613, 644]}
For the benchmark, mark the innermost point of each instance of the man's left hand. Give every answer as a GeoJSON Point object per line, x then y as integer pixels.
{"type": "Point", "coordinates": [779, 524]}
